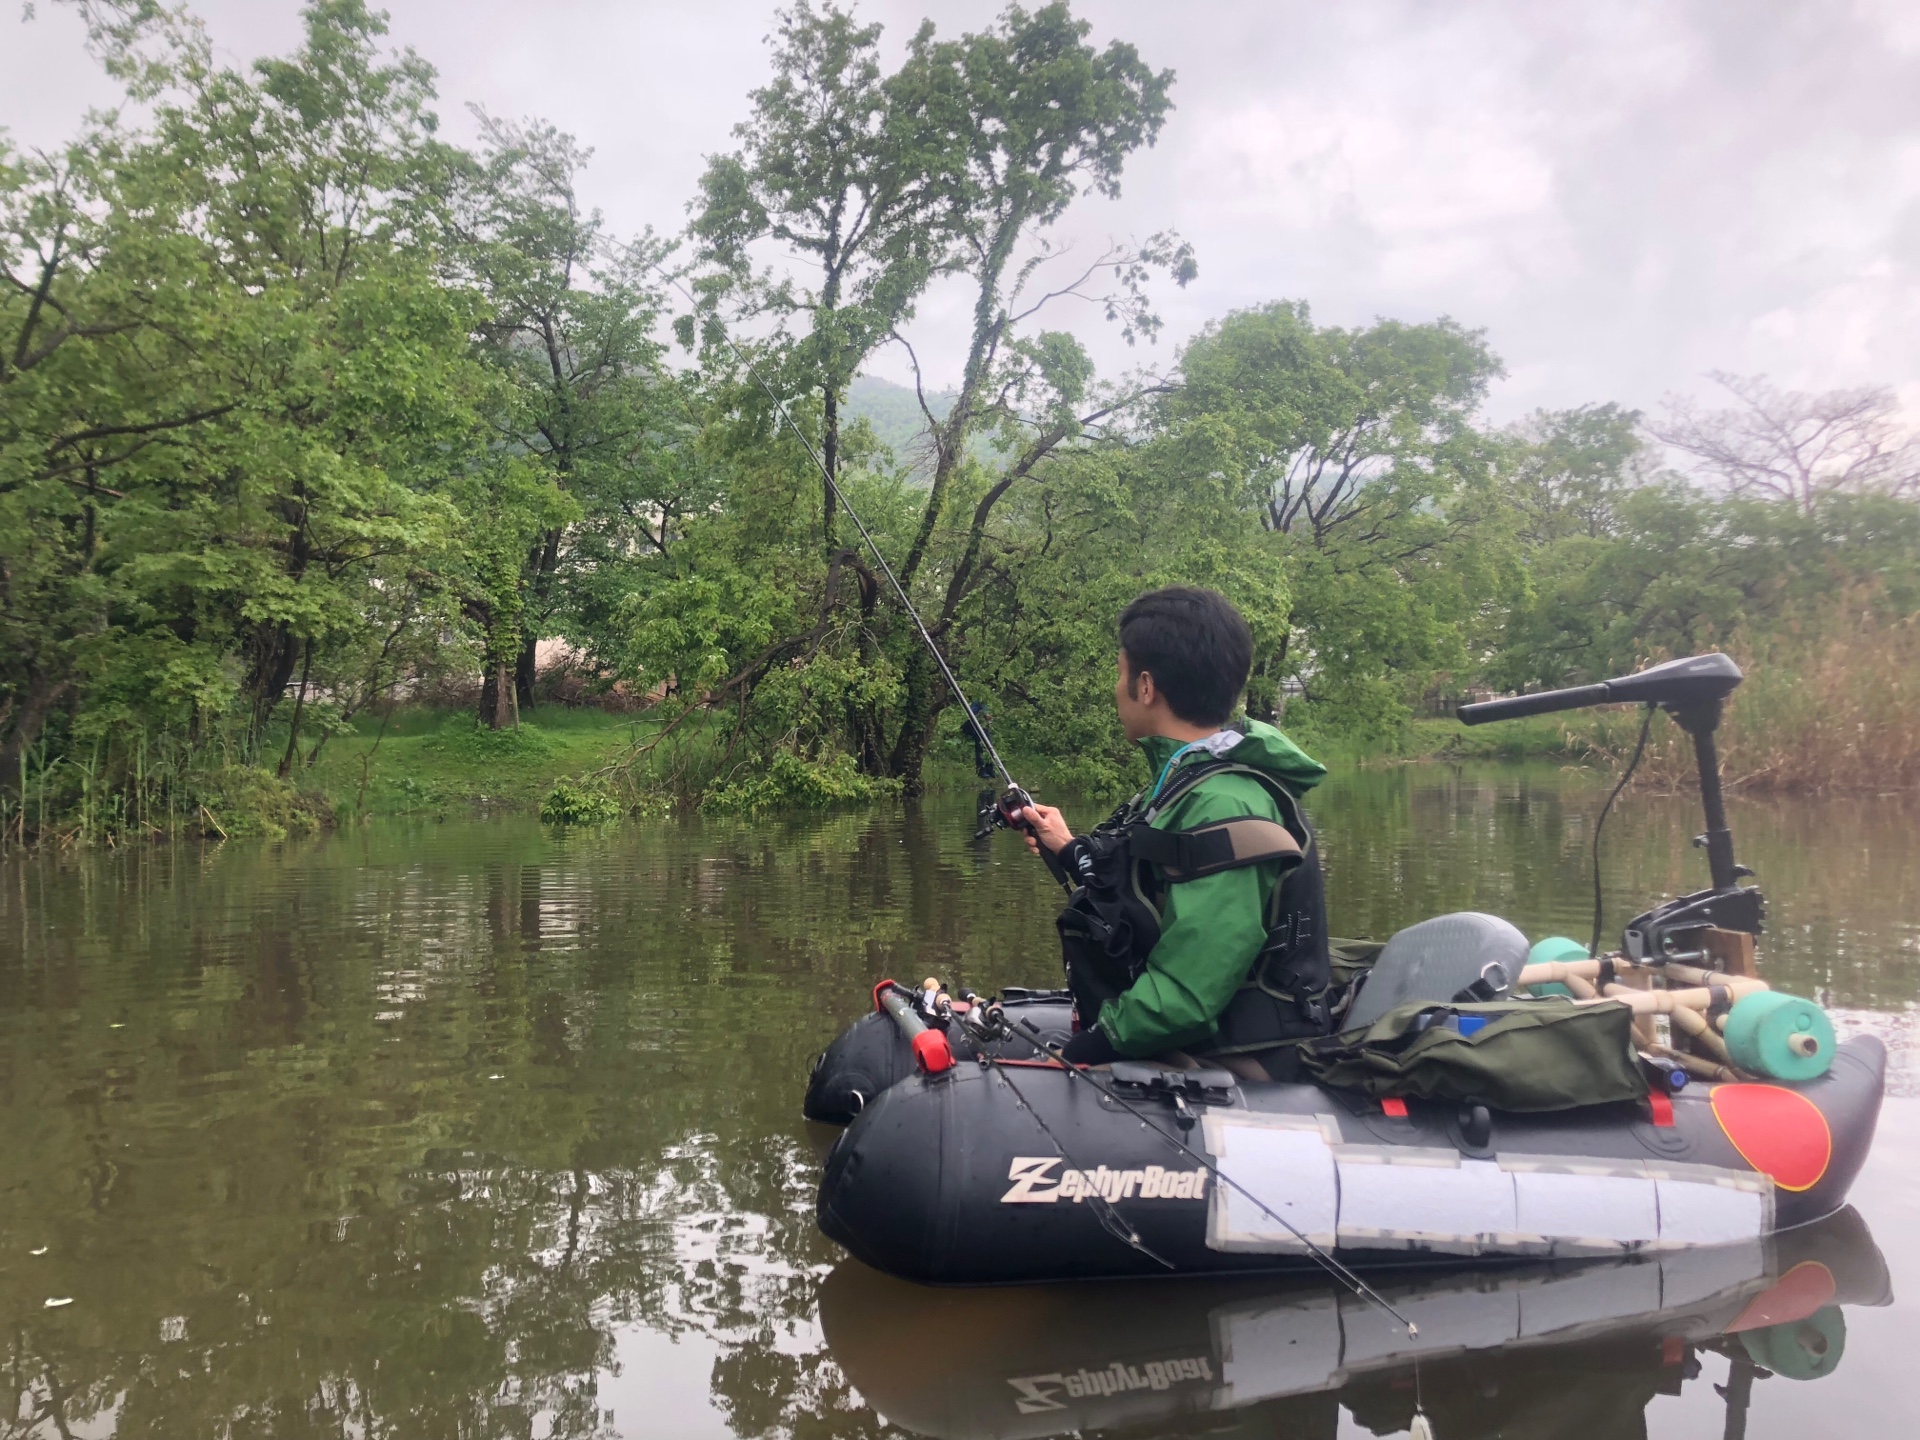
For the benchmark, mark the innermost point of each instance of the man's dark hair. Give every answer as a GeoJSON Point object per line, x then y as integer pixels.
{"type": "Point", "coordinates": [1196, 646]}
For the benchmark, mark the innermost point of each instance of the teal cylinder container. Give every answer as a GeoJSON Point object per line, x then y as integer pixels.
{"type": "Point", "coordinates": [1782, 1036]}
{"type": "Point", "coordinates": [1800, 1349]}
{"type": "Point", "coordinates": [1554, 948]}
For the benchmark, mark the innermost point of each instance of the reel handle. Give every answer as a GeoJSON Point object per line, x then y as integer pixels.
{"type": "Point", "coordinates": [1010, 804]}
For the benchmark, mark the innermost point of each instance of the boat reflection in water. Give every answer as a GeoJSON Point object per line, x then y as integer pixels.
{"type": "Point", "coordinates": [1535, 1350]}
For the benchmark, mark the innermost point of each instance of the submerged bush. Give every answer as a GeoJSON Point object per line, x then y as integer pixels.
{"type": "Point", "coordinates": [790, 780]}
{"type": "Point", "coordinates": [583, 801]}
{"type": "Point", "coordinates": [239, 800]}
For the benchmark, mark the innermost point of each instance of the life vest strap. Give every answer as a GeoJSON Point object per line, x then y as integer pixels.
{"type": "Point", "coordinates": [1216, 847]}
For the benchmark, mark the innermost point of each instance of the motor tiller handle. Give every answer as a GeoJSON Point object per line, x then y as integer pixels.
{"type": "Point", "coordinates": [930, 1046]}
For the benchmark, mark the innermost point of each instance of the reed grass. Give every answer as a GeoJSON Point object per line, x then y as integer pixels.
{"type": "Point", "coordinates": [1829, 704]}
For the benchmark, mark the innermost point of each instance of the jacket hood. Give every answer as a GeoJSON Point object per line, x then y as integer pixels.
{"type": "Point", "coordinates": [1260, 746]}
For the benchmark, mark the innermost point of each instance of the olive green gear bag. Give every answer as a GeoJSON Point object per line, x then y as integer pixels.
{"type": "Point", "coordinates": [1523, 1055]}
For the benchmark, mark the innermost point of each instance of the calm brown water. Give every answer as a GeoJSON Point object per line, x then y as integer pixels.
{"type": "Point", "coordinates": [486, 1129]}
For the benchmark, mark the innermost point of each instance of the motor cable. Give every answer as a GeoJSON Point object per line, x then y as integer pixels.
{"type": "Point", "coordinates": [1598, 894]}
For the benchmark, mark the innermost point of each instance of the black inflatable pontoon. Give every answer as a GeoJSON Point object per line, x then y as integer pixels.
{"type": "Point", "coordinates": [973, 1157]}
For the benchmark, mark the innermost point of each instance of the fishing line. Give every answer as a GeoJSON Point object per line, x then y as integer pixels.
{"type": "Point", "coordinates": [859, 524]}
{"type": "Point", "coordinates": [1327, 1262]}
{"type": "Point", "coordinates": [1632, 765]}
{"type": "Point", "coordinates": [1102, 1208]}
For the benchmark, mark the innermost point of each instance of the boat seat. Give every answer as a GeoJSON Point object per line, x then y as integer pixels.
{"type": "Point", "coordinates": [1435, 960]}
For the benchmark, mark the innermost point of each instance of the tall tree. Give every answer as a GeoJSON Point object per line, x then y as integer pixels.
{"type": "Point", "coordinates": [571, 331]}
{"type": "Point", "coordinates": [831, 168]}
{"type": "Point", "coordinates": [1789, 445]}
{"type": "Point", "coordinates": [1033, 116]}
{"type": "Point", "coordinates": [1359, 449]}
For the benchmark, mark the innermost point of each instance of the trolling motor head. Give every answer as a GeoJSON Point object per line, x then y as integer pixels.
{"type": "Point", "coordinates": [1694, 692]}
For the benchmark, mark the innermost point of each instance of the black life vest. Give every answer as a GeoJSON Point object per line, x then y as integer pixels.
{"type": "Point", "coordinates": [1112, 919]}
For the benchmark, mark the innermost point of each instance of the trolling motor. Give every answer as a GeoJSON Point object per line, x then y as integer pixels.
{"type": "Point", "coordinates": [1694, 692]}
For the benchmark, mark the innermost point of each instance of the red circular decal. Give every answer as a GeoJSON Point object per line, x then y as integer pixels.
{"type": "Point", "coordinates": [1780, 1133]}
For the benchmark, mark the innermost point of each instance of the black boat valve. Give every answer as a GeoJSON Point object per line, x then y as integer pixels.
{"type": "Point", "coordinates": [1476, 1126]}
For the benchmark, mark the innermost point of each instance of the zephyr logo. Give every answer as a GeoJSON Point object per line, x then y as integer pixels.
{"type": "Point", "coordinates": [1037, 1393]}
{"type": "Point", "coordinates": [1035, 1184]}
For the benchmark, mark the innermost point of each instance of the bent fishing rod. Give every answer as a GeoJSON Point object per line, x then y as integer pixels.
{"type": "Point", "coordinates": [1016, 797]}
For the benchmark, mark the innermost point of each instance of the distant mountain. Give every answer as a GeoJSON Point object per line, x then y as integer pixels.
{"type": "Point", "coordinates": [894, 413]}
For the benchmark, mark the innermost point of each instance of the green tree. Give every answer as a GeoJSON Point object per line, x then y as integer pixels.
{"type": "Point", "coordinates": [243, 386]}
{"type": "Point", "coordinates": [1033, 116]}
{"type": "Point", "coordinates": [830, 166]}
{"type": "Point", "coordinates": [570, 328]}
{"type": "Point", "coordinates": [1358, 447]}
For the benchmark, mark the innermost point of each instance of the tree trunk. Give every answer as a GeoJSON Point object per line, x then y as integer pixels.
{"type": "Point", "coordinates": [830, 459]}
{"type": "Point", "coordinates": [545, 564]}
{"type": "Point", "coordinates": [526, 671]}
{"type": "Point", "coordinates": [268, 676]}
{"type": "Point", "coordinates": [925, 698]}
{"type": "Point", "coordinates": [496, 696]}
{"type": "Point", "coordinates": [299, 710]}
{"type": "Point", "coordinates": [43, 693]}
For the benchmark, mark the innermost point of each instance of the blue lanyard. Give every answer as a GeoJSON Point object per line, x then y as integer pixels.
{"type": "Point", "coordinates": [1172, 760]}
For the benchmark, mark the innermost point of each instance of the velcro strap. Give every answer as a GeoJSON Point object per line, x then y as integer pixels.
{"type": "Point", "coordinates": [1222, 845]}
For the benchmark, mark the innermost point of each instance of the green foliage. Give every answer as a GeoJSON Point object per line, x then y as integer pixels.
{"type": "Point", "coordinates": [581, 801]}
{"type": "Point", "coordinates": [303, 408]}
{"type": "Point", "coordinates": [462, 738]}
{"type": "Point", "coordinates": [1357, 451]}
{"type": "Point", "coordinates": [791, 780]}
{"type": "Point", "coordinates": [240, 801]}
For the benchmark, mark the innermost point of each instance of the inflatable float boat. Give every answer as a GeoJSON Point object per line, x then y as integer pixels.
{"type": "Point", "coordinates": [1537, 1349]}
{"type": "Point", "coordinates": [972, 1155]}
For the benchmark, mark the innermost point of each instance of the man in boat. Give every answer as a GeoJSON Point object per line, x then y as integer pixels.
{"type": "Point", "coordinates": [1197, 926]}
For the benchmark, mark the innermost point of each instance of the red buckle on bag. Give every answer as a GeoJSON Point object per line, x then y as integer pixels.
{"type": "Point", "coordinates": [1393, 1105]}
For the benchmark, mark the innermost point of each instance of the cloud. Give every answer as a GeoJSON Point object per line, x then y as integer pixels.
{"type": "Point", "coordinates": [1625, 195]}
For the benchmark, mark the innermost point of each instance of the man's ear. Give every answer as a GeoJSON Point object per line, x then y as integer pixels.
{"type": "Point", "coordinates": [1143, 689]}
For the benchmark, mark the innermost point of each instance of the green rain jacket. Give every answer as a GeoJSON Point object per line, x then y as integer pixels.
{"type": "Point", "coordinates": [1212, 928]}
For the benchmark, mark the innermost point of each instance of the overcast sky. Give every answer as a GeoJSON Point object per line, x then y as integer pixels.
{"type": "Point", "coordinates": [1625, 195]}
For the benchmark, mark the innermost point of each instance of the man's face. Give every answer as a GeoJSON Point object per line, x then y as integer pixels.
{"type": "Point", "coordinates": [1134, 700]}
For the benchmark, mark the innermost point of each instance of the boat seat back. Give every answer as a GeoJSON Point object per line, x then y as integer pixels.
{"type": "Point", "coordinates": [1435, 960]}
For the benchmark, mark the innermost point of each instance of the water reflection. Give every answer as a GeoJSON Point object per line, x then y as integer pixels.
{"type": "Point", "coordinates": [1522, 1351]}
{"type": "Point", "coordinates": [483, 1129]}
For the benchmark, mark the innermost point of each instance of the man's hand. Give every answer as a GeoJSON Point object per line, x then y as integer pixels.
{"type": "Point", "coordinates": [1042, 825]}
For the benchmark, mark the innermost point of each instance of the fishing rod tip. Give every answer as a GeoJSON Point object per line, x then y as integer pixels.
{"type": "Point", "coordinates": [1413, 1331]}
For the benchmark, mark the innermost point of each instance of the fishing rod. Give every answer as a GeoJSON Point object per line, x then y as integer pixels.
{"type": "Point", "coordinates": [1016, 797]}
{"type": "Point", "coordinates": [991, 1022]}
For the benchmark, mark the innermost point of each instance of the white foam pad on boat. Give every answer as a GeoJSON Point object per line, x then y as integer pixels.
{"type": "Point", "coordinates": [1287, 1163]}
{"type": "Point", "coordinates": [1383, 1197]}
{"type": "Point", "coordinates": [1581, 1212]}
{"type": "Point", "coordinates": [1423, 1200]}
